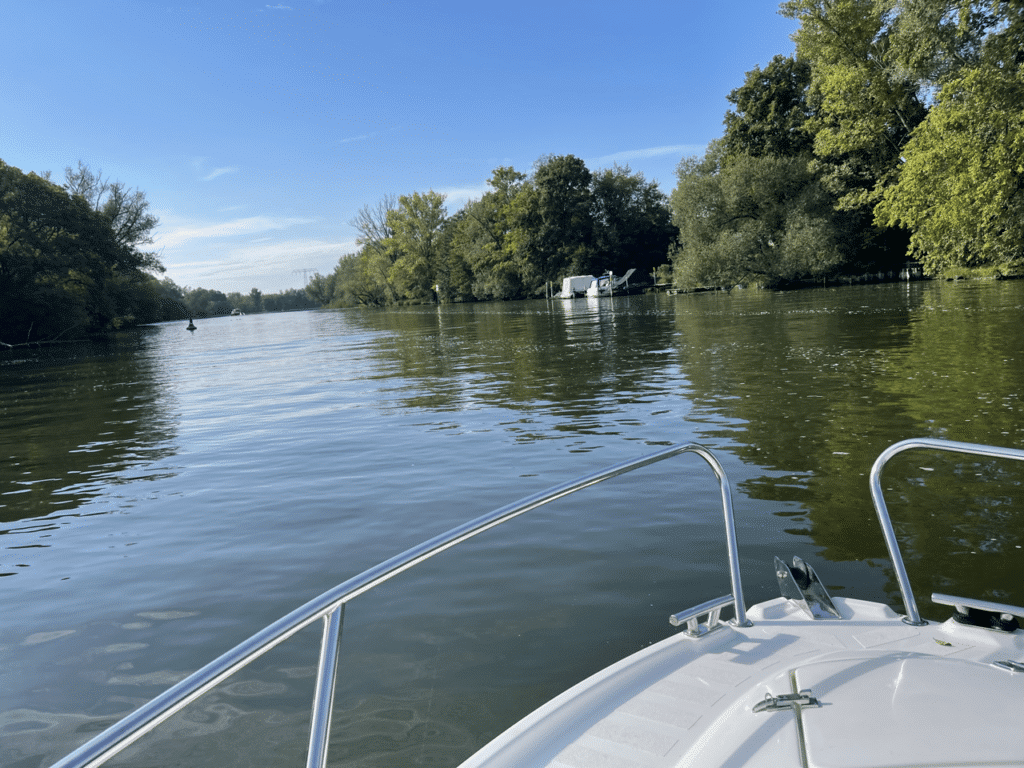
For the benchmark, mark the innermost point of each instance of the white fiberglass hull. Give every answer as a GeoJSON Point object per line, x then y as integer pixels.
{"type": "Point", "coordinates": [885, 694]}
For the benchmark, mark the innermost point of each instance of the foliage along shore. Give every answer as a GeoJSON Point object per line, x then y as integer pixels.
{"type": "Point", "coordinates": [895, 133]}
{"type": "Point", "coordinates": [74, 264]}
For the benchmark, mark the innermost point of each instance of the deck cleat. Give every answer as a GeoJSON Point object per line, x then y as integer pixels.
{"type": "Point", "coordinates": [801, 584]}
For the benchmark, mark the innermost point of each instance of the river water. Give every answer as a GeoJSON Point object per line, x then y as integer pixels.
{"type": "Point", "coordinates": [165, 494]}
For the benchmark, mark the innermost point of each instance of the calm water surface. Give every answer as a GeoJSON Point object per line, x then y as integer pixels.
{"type": "Point", "coordinates": [166, 494]}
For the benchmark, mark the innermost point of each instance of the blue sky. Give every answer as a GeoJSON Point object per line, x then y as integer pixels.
{"type": "Point", "coordinates": [258, 130]}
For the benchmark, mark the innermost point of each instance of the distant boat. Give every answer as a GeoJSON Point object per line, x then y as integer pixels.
{"type": "Point", "coordinates": [236, 312]}
{"type": "Point", "coordinates": [575, 286]}
{"type": "Point", "coordinates": [606, 285]}
{"type": "Point", "coordinates": [588, 285]}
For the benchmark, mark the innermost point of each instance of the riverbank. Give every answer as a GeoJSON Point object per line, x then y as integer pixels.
{"type": "Point", "coordinates": [911, 273]}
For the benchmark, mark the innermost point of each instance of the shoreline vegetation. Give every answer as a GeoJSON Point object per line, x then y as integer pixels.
{"type": "Point", "coordinates": [892, 140]}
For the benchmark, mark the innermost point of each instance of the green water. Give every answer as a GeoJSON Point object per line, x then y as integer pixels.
{"type": "Point", "coordinates": [166, 494]}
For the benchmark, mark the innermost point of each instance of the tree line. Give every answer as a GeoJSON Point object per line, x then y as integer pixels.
{"type": "Point", "coordinates": [894, 134]}
{"type": "Point", "coordinates": [525, 232]}
{"type": "Point", "coordinates": [74, 262]}
{"type": "Point", "coordinates": [896, 130]}
{"type": "Point", "coordinates": [72, 257]}
{"type": "Point", "coordinates": [180, 302]}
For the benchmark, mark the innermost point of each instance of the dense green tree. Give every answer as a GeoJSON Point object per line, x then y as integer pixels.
{"type": "Point", "coordinates": [764, 220]}
{"type": "Point", "coordinates": [63, 270]}
{"type": "Point", "coordinates": [453, 277]}
{"type": "Point", "coordinates": [358, 278]}
{"type": "Point", "coordinates": [933, 40]}
{"type": "Point", "coordinates": [553, 231]}
{"type": "Point", "coordinates": [632, 222]}
{"type": "Point", "coordinates": [918, 119]}
{"type": "Point", "coordinates": [483, 238]}
{"type": "Point", "coordinates": [771, 111]}
{"type": "Point", "coordinates": [349, 285]}
{"type": "Point", "coordinates": [959, 188]}
{"type": "Point", "coordinates": [421, 266]}
{"type": "Point", "coordinates": [867, 102]}
{"type": "Point", "coordinates": [321, 288]}
{"type": "Point", "coordinates": [241, 302]}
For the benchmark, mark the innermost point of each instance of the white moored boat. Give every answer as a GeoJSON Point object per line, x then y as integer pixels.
{"type": "Point", "coordinates": [593, 287]}
{"type": "Point", "coordinates": [575, 286]}
{"type": "Point", "coordinates": [800, 680]}
{"type": "Point", "coordinates": [606, 285]}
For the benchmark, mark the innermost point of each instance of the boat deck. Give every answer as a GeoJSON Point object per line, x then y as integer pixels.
{"type": "Point", "coordinates": [691, 701]}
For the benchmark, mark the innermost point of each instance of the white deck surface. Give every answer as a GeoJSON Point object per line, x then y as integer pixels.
{"type": "Point", "coordinates": [891, 694]}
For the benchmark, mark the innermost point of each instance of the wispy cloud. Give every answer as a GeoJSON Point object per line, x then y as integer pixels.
{"type": "Point", "coordinates": [177, 235]}
{"type": "Point", "coordinates": [456, 197]}
{"type": "Point", "coordinates": [291, 252]}
{"type": "Point", "coordinates": [355, 138]}
{"type": "Point", "coordinates": [200, 165]}
{"type": "Point", "coordinates": [680, 150]}
{"type": "Point", "coordinates": [271, 266]}
{"type": "Point", "coordinates": [220, 172]}
{"type": "Point", "coordinates": [279, 7]}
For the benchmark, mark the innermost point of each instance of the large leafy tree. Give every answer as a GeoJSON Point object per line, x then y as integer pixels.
{"type": "Point", "coordinates": [867, 102]}
{"type": "Point", "coordinates": [933, 40]}
{"type": "Point", "coordinates": [483, 237]}
{"type": "Point", "coordinates": [765, 220]}
{"type": "Point", "coordinates": [771, 111]}
{"type": "Point", "coordinates": [321, 288]}
{"type": "Point", "coordinates": [960, 188]}
{"type": "Point", "coordinates": [420, 267]}
{"type": "Point", "coordinates": [919, 119]}
{"type": "Point", "coordinates": [632, 221]}
{"type": "Point", "coordinates": [63, 270]}
{"type": "Point", "coordinates": [553, 233]}
{"type": "Point", "coordinates": [125, 210]}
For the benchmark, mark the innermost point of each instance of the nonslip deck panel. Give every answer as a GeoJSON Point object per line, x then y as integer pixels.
{"type": "Point", "coordinates": [687, 702]}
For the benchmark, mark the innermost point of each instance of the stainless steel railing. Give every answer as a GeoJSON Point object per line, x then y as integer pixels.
{"type": "Point", "coordinates": [913, 615]}
{"type": "Point", "coordinates": [330, 607]}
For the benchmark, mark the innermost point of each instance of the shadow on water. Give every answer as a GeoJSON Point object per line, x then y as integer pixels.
{"type": "Point", "coordinates": [79, 419]}
{"type": "Point", "coordinates": [812, 391]}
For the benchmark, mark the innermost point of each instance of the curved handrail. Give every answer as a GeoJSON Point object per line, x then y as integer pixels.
{"type": "Point", "coordinates": [329, 605]}
{"type": "Point", "coordinates": [913, 615]}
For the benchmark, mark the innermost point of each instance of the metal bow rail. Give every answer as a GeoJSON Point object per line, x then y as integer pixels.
{"type": "Point", "coordinates": [913, 615]}
{"type": "Point", "coordinates": [330, 607]}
